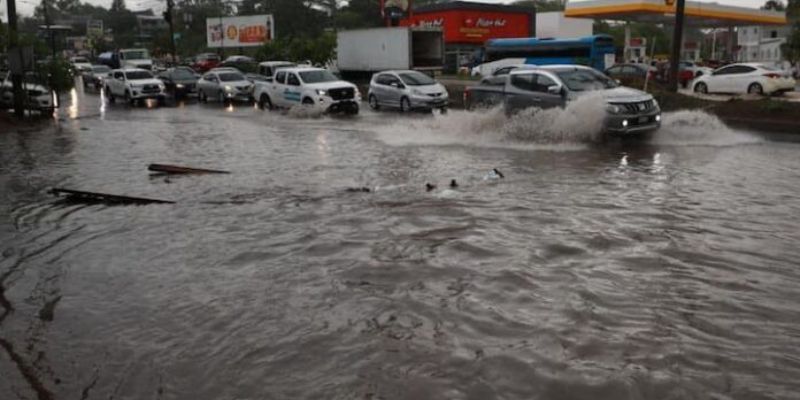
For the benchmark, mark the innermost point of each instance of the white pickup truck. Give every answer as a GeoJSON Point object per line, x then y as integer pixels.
{"type": "Point", "coordinates": [133, 85]}
{"type": "Point", "coordinates": [314, 88]}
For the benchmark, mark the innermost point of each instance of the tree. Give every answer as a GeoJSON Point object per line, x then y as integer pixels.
{"type": "Point", "coordinates": [774, 5]}
{"type": "Point", "coordinates": [543, 5]}
{"type": "Point", "coordinates": [791, 49]}
{"type": "Point", "coordinates": [118, 6]}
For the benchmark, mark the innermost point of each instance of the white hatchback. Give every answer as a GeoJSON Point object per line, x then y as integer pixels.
{"type": "Point", "coordinates": [750, 78]}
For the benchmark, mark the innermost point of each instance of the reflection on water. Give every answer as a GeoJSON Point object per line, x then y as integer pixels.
{"type": "Point", "coordinates": [74, 103]}
{"type": "Point", "coordinates": [660, 269]}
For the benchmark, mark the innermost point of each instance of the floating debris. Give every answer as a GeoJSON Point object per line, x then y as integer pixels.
{"type": "Point", "coordinates": [94, 197]}
{"type": "Point", "coordinates": [177, 169]}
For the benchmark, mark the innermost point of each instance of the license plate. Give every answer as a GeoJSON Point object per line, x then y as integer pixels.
{"type": "Point", "coordinates": [643, 120]}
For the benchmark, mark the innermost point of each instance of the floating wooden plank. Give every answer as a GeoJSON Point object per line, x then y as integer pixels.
{"type": "Point", "coordinates": [177, 169]}
{"type": "Point", "coordinates": [94, 197]}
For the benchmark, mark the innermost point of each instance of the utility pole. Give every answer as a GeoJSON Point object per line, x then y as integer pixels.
{"type": "Point", "coordinates": [13, 46]}
{"type": "Point", "coordinates": [46, 6]}
{"type": "Point", "coordinates": [168, 16]}
{"type": "Point", "coordinates": [677, 43]}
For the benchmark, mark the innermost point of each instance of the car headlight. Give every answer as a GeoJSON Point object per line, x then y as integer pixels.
{"type": "Point", "coordinates": [613, 109]}
{"type": "Point", "coordinates": [179, 85]}
{"type": "Point", "coordinates": [416, 92]}
{"type": "Point", "coordinates": [228, 88]}
{"type": "Point", "coordinates": [321, 92]}
{"type": "Point", "coordinates": [655, 103]}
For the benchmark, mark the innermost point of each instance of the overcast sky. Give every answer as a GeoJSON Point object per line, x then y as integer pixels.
{"type": "Point", "coordinates": [26, 6]}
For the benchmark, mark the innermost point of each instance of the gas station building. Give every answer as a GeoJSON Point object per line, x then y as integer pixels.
{"type": "Point", "coordinates": [697, 14]}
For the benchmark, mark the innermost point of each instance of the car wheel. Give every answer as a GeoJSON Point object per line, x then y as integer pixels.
{"type": "Point", "coordinates": [443, 110]}
{"type": "Point", "coordinates": [308, 102]}
{"type": "Point", "coordinates": [110, 95]}
{"type": "Point", "coordinates": [755, 88]}
{"type": "Point", "coordinates": [405, 105]}
{"type": "Point", "coordinates": [202, 96]}
{"type": "Point", "coordinates": [128, 98]}
{"type": "Point", "coordinates": [352, 110]}
{"type": "Point", "coordinates": [701, 88]}
{"type": "Point", "coordinates": [264, 102]}
{"type": "Point", "coordinates": [221, 98]}
{"type": "Point", "coordinates": [373, 102]}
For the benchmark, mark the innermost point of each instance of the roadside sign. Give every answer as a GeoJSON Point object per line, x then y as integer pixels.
{"type": "Point", "coordinates": [249, 31]}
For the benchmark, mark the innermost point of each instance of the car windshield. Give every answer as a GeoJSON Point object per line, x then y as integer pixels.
{"type": "Point", "coordinates": [80, 60]}
{"type": "Point", "coordinates": [134, 75]}
{"type": "Point", "coordinates": [182, 74]}
{"type": "Point", "coordinates": [582, 80]}
{"type": "Point", "coordinates": [416, 79]}
{"type": "Point", "coordinates": [230, 77]}
{"type": "Point", "coordinates": [101, 68]}
{"type": "Point", "coordinates": [318, 76]}
{"type": "Point", "coordinates": [135, 55]}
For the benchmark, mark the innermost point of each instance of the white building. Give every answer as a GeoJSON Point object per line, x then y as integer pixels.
{"type": "Point", "coordinates": [761, 44]}
{"type": "Point", "coordinates": [556, 25]}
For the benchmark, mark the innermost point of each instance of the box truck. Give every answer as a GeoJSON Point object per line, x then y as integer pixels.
{"type": "Point", "coordinates": [380, 49]}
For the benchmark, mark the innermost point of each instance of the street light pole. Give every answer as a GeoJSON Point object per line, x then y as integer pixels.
{"type": "Point", "coordinates": [677, 43]}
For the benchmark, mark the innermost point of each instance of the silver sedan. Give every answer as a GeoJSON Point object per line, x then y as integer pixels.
{"type": "Point", "coordinates": [406, 90]}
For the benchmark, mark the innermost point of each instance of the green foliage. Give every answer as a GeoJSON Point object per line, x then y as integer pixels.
{"type": "Point", "coordinates": [773, 106]}
{"type": "Point", "coordinates": [318, 50]}
{"type": "Point", "coordinates": [56, 74]}
{"type": "Point", "coordinates": [542, 5]}
{"type": "Point", "coordinates": [791, 49]}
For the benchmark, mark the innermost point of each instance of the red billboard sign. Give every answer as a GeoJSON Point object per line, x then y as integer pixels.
{"type": "Point", "coordinates": [474, 27]}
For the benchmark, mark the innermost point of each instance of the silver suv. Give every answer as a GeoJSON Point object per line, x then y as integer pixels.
{"type": "Point", "coordinates": [407, 90]}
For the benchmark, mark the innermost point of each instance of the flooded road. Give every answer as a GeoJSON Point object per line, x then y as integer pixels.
{"type": "Point", "coordinates": [658, 269]}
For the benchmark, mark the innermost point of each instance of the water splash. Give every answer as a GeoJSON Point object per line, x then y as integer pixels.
{"type": "Point", "coordinates": [569, 128]}
{"type": "Point", "coordinates": [698, 128]}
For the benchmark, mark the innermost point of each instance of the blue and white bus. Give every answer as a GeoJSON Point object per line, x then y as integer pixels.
{"type": "Point", "coordinates": [593, 51]}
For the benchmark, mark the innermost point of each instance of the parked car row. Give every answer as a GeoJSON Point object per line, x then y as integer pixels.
{"type": "Point", "coordinates": [37, 96]}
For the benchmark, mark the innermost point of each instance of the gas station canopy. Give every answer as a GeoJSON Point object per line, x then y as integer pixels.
{"type": "Point", "coordinates": [698, 14]}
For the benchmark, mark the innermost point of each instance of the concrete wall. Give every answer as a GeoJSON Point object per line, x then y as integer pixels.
{"type": "Point", "coordinates": [555, 25]}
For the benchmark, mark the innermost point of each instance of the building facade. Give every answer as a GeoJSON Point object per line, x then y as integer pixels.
{"type": "Point", "coordinates": [762, 44]}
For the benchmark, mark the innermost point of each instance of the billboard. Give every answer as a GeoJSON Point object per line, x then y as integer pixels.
{"type": "Point", "coordinates": [474, 27]}
{"type": "Point", "coordinates": [94, 28]}
{"type": "Point", "coordinates": [252, 30]}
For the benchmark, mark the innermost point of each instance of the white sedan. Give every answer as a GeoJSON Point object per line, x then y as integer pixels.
{"type": "Point", "coordinates": [750, 78]}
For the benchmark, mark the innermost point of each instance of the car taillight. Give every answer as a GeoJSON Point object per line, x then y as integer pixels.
{"type": "Point", "coordinates": [772, 75]}
{"type": "Point", "coordinates": [466, 96]}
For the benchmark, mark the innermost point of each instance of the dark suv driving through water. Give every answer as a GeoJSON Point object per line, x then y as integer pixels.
{"type": "Point", "coordinates": [629, 111]}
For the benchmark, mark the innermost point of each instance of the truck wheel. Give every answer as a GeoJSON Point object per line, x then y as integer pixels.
{"type": "Point", "coordinates": [202, 97]}
{"type": "Point", "coordinates": [264, 102]}
{"type": "Point", "coordinates": [307, 102]}
{"type": "Point", "coordinates": [405, 105]}
{"type": "Point", "coordinates": [111, 98]}
{"type": "Point", "coordinates": [373, 102]}
{"type": "Point", "coordinates": [352, 110]}
{"type": "Point", "coordinates": [128, 98]}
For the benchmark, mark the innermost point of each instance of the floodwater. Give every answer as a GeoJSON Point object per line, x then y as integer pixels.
{"type": "Point", "coordinates": [665, 268]}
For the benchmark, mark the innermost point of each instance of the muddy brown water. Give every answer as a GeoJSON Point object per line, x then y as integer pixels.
{"type": "Point", "coordinates": [664, 268]}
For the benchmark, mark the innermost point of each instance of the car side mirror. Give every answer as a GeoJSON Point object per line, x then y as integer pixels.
{"type": "Point", "coordinates": [554, 89]}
